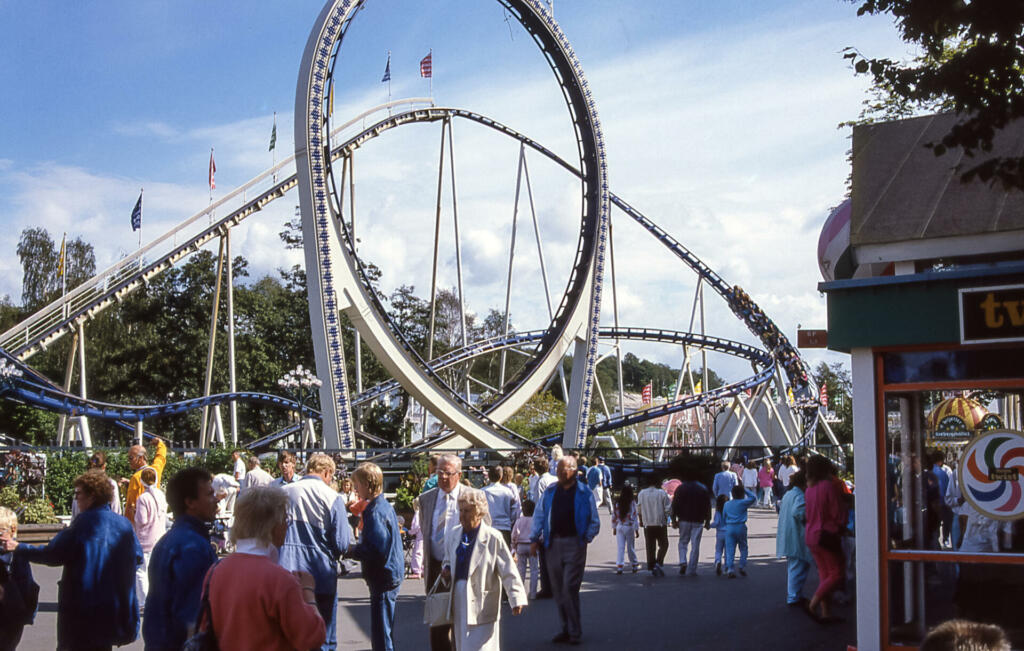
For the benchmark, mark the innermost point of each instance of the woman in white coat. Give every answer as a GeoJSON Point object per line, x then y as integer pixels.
{"type": "Point", "coordinates": [479, 562]}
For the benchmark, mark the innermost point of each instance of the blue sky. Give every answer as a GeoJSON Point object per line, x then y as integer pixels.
{"type": "Point", "coordinates": [720, 119]}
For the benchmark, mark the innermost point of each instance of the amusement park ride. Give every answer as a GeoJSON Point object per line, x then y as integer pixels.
{"type": "Point", "coordinates": [321, 172]}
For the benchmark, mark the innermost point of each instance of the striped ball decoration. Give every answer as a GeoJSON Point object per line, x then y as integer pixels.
{"type": "Point", "coordinates": [992, 474]}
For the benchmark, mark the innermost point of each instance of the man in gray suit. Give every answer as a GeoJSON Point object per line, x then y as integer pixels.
{"type": "Point", "coordinates": [439, 511]}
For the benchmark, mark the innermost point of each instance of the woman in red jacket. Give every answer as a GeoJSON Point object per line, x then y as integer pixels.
{"type": "Point", "coordinates": [255, 603]}
{"type": "Point", "coordinates": [826, 519]}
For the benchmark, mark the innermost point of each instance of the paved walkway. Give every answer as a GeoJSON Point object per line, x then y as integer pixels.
{"type": "Point", "coordinates": [619, 612]}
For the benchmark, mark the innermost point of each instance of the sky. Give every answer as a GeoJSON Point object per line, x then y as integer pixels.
{"type": "Point", "coordinates": [720, 120]}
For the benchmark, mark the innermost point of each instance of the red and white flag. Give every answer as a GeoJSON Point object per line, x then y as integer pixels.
{"type": "Point", "coordinates": [426, 65]}
{"type": "Point", "coordinates": [645, 395]}
{"type": "Point", "coordinates": [213, 170]}
{"type": "Point", "coordinates": [823, 396]}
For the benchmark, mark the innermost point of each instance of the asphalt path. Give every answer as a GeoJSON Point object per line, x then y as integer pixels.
{"type": "Point", "coordinates": [636, 611]}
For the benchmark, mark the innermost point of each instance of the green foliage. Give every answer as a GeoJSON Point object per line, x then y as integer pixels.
{"type": "Point", "coordinates": [972, 61]}
{"type": "Point", "coordinates": [411, 484]}
{"type": "Point", "coordinates": [836, 378]}
{"type": "Point", "coordinates": [542, 415]}
{"type": "Point", "coordinates": [38, 511]}
{"type": "Point", "coordinates": [61, 470]}
{"type": "Point", "coordinates": [9, 497]}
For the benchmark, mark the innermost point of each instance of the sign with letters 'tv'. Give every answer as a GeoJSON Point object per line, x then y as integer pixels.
{"type": "Point", "coordinates": [991, 314]}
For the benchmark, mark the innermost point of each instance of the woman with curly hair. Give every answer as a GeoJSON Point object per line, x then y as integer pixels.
{"type": "Point", "coordinates": [96, 603]}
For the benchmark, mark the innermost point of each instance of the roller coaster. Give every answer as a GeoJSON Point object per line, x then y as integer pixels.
{"type": "Point", "coordinates": [338, 283]}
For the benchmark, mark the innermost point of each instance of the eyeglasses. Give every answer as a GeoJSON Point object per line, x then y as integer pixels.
{"type": "Point", "coordinates": [448, 473]}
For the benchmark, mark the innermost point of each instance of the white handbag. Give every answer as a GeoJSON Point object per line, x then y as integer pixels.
{"type": "Point", "coordinates": [437, 610]}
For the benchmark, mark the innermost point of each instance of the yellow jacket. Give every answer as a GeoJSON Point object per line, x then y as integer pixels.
{"type": "Point", "coordinates": [135, 486]}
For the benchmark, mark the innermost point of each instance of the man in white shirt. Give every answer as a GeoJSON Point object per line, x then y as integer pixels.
{"type": "Point", "coordinates": [256, 476]}
{"type": "Point", "coordinates": [439, 512]}
{"type": "Point", "coordinates": [502, 504]}
{"type": "Point", "coordinates": [239, 466]}
{"type": "Point", "coordinates": [654, 506]}
{"type": "Point", "coordinates": [540, 467]}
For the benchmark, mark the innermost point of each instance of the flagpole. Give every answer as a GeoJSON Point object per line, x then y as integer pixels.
{"type": "Point", "coordinates": [210, 183]}
{"type": "Point", "coordinates": [140, 220]}
{"type": "Point", "coordinates": [64, 274]}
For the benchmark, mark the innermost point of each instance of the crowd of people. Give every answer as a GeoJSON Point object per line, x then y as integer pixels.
{"type": "Point", "coordinates": [476, 549]}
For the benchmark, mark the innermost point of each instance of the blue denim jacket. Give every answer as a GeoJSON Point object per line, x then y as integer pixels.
{"type": "Point", "coordinates": [96, 603]}
{"type": "Point", "coordinates": [380, 547]}
{"type": "Point", "coordinates": [176, 569]}
{"type": "Point", "coordinates": [588, 524]}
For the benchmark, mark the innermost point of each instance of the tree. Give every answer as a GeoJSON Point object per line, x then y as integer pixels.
{"type": "Point", "coordinates": [839, 385]}
{"type": "Point", "coordinates": [41, 281]}
{"type": "Point", "coordinates": [973, 55]}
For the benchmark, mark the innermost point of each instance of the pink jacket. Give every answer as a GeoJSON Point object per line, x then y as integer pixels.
{"type": "Point", "coordinates": [521, 531]}
{"type": "Point", "coordinates": [765, 477]}
{"type": "Point", "coordinates": [150, 518]}
{"type": "Point", "coordinates": [826, 510]}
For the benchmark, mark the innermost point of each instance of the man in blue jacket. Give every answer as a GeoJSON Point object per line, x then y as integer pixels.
{"type": "Point", "coordinates": [565, 522]}
{"type": "Point", "coordinates": [179, 562]}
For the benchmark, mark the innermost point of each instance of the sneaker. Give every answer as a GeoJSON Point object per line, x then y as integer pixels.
{"type": "Point", "coordinates": [636, 568]}
{"type": "Point", "coordinates": [682, 570]}
{"type": "Point", "coordinates": [657, 571]}
{"type": "Point", "coordinates": [743, 572]}
{"type": "Point", "coordinates": [618, 570]}
{"type": "Point", "coordinates": [732, 575]}
{"type": "Point", "coordinates": [718, 569]}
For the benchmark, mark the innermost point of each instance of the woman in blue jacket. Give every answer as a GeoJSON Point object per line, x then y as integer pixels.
{"type": "Point", "coordinates": [380, 551]}
{"type": "Point", "coordinates": [96, 605]}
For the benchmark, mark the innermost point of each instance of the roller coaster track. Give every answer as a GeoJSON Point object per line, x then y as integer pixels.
{"type": "Point", "coordinates": [60, 317]}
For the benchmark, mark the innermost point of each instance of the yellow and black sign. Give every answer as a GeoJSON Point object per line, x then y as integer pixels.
{"type": "Point", "coordinates": [992, 314]}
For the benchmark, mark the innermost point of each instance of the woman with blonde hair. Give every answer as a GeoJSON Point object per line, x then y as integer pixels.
{"type": "Point", "coordinates": [19, 593]}
{"type": "Point", "coordinates": [479, 564]}
{"type": "Point", "coordinates": [253, 602]}
{"type": "Point", "coordinates": [556, 454]}
{"type": "Point", "coordinates": [380, 550]}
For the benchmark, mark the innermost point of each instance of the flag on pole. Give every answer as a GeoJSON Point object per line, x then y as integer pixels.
{"type": "Point", "coordinates": [273, 135]}
{"type": "Point", "coordinates": [387, 71]}
{"type": "Point", "coordinates": [61, 259]}
{"type": "Point", "coordinates": [137, 214]}
{"type": "Point", "coordinates": [645, 395]}
{"type": "Point", "coordinates": [213, 170]}
{"type": "Point", "coordinates": [426, 65]}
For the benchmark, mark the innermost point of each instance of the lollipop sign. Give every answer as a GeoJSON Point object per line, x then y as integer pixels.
{"type": "Point", "coordinates": [992, 474]}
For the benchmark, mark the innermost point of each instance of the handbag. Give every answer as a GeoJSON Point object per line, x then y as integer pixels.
{"type": "Point", "coordinates": [437, 611]}
{"type": "Point", "coordinates": [203, 639]}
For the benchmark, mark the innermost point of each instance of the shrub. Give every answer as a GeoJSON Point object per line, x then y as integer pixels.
{"type": "Point", "coordinates": [38, 511]}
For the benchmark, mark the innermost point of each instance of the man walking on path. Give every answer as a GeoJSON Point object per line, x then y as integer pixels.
{"type": "Point", "coordinates": [691, 512]}
{"type": "Point", "coordinates": [565, 522]}
{"type": "Point", "coordinates": [179, 562]}
{"type": "Point", "coordinates": [724, 481]}
{"type": "Point", "coordinates": [439, 512]}
{"type": "Point", "coordinates": [606, 483]}
{"type": "Point", "coordinates": [137, 461]}
{"type": "Point", "coordinates": [502, 503]}
{"type": "Point", "coordinates": [546, 479]}
{"type": "Point", "coordinates": [654, 508]}
{"type": "Point", "coordinates": [318, 534]}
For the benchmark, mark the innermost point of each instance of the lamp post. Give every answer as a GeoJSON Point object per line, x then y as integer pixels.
{"type": "Point", "coordinates": [301, 385]}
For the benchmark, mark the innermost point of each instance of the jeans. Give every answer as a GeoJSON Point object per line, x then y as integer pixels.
{"type": "Point", "coordinates": [719, 544]}
{"type": "Point", "coordinates": [690, 533]}
{"type": "Point", "coordinates": [796, 576]}
{"type": "Point", "coordinates": [656, 540]}
{"type": "Point", "coordinates": [625, 536]}
{"type": "Point", "coordinates": [524, 561]}
{"type": "Point", "coordinates": [327, 604]}
{"type": "Point", "coordinates": [382, 619]}
{"type": "Point", "coordinates": [735, 534]}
